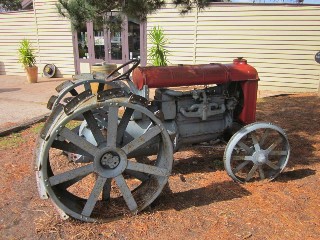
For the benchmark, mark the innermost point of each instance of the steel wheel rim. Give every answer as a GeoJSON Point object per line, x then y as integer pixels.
{"type": "Point", "coordinates": [65, 201]}
{"type": "Point", "coordinates": [70, 90]}
{"type": "Point", "coordinates": [255, 162]}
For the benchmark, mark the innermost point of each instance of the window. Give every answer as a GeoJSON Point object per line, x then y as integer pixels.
{"type": "Point", "coordinates": [134, 38]}
{"type": "Point", "coordinates": [83, 43]}
{"type": "Point", "coordinates": [98, 39]}
{"type": "Point", "coordinates": [94, 43]}
{"type": "Point", "coordinates": [116, 45]}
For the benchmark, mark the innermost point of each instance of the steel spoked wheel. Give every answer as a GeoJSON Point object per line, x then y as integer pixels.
{"type": "Point", "coordinates": [259, 151]}
{"type": "Point", "coordinates": [71, 89]}
{"type": "Point", "coordinates": [112, 182]}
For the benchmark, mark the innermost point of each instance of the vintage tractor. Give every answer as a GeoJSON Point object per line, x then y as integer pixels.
{"type": "Point", "coordinates": [105, 154]}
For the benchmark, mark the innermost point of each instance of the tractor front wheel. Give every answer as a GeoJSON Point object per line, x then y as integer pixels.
{"type": "Point", "coordinates": [259, 151]}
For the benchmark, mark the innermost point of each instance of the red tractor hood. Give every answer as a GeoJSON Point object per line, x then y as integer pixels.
{"type": "Point", "coordinates": [188, 75]}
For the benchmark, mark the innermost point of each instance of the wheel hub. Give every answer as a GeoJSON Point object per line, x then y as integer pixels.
{"type": "Point", "coordinates": [260, 157]}
{"type": "Point", "coordinates": [110, 160]}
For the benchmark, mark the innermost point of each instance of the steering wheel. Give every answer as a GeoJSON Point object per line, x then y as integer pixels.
{"type": "Point", "coordinates": [124, 75]}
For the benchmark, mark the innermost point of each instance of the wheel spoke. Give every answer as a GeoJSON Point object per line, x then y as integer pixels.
{"type": "Point", "coordinates": [74, 92]}
{"type": "Point", "coordinates": [72, 174]}
{"type": "Point", "coordinates": [100, 118]}
{"type": "Point", "coordinates": [140, 167]}
{"type": "Point", "coordinates": [138, 175]}
{"type": "Point", "coordinates": [240, 166]}
{"type": "Point", "coordinates": [261, 173]}
{"type": "Point", "coordinates": [79, 141]}
{"type": "Point", "coordinates": [68, 147]}
{"type": "Point", "coordinates": [252, 171]}
{"type": "Point", "coordinates": [272, 165]}
{"type": "Point", "coordinates": [100, 87]}
{"type": "Point", "coordinates": [278, 153]}
{"type": "Point", "coordinates": [92, 123]}
{"type": "Point", "coordinates": [106, 190]}
{"type": "Point", "coordinates": [257, 152]}
{"type": "Point", "coordinates": [264, 136]}
{"type": "Point", "coordinates": [136, 143]}
{"type": "Point", "coordinates": [274, 145]}
{"type": "Point", "coordinates": [244, 147]}
{"type": "Point", "coordinates": [87, 86]}
{"type": "Point", "coordinates": [71, 182]}
{"type": "Point", "coordinates": [94, 195]}
{"type": "Point", "coordinates": [255, 141]}
{"type": "Point", "coordinates": [242, 158]}
{"type": "Point", "coordinates": [123, 124]}
{"type": "Point", "coordinates": [112, 126]}
{"type": "Point", "coordinates": [126, 193]}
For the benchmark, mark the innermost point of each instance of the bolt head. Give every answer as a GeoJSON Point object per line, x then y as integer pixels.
{"type": "Point", "coordinates": [110, 161]}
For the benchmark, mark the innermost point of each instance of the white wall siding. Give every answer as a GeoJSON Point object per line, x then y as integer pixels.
{"type": "Point", "coordinates": [49, 33]}
{"type": "Point", "coordinates": [280, 41]}
{"type": "Point", "coordinates": [13, 28]}
{"type": "Point", "coordinates": [55, 37]}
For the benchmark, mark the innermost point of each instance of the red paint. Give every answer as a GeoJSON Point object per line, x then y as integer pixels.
{"type": "Point", "coordinates": [188, 75]}
{"type": "Point", "coordinates": [248, 114]}
{"type": "Point", "coordinates": [175, 76]}
{"type": "Point", "coordinates": [241, 71]}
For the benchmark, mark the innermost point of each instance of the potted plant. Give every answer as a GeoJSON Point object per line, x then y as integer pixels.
{"type": "Point", "coordinates": [28, 60]}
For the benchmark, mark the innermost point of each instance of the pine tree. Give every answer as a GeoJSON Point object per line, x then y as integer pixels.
{"type": "Point", "coordinates": [10, 5]}
{"type": "Point", "coordinates": [81, 11]}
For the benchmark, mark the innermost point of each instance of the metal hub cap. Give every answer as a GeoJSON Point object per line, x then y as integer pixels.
{"type": "Point", "coordinates": [110, 160]}
{"type": "Point", "coordinates": [260, 157]}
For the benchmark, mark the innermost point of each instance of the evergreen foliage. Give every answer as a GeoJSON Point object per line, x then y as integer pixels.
{"type": "Point", "coordinates": [10, 5]}
{"type": "Point", "coordinates": [81, 11]}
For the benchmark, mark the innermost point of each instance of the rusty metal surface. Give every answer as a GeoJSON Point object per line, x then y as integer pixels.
{"type": "Point", "coordinates": [51, 102]}
{"type": "Point", "coordinates": [70, 106]}
{"type": "Point", "coordinates": [136, 99]}
{"type": "Point", "coordinates": [64, 85]}
{"type": "Point", "coordinates": [55, 114]}
{"type": "Point", "coordinates": [111, 93]}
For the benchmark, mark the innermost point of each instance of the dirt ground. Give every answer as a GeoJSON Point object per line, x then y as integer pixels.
{"type": "Point", "coordinates": [200, 202]}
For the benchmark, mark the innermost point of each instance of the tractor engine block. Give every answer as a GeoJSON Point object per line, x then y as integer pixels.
{"type": "Point", "coordinates": [199, 115]}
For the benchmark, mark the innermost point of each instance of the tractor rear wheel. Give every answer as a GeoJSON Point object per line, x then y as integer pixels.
{"type": "Point", "coordinates": [112, 183]}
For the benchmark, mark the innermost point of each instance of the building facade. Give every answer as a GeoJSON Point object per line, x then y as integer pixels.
{"type": "Point", "coordinates": [279, 40]}
{"type": "Point", "coordinates": [50, 35]}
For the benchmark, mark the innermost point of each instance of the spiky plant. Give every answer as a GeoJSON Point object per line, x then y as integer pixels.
{"type": "Point", "coordinates": [157, 53]}
{"type": "Point", "coordinates": [26, 54]}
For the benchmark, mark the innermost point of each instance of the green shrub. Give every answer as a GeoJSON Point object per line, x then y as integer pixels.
{"type": "Point", "coordinates": [157, 53]}
{"type": "Point", "coordinates": [26, 54]}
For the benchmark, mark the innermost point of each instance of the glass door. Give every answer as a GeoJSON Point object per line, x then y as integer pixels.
{"type": "Point", "coordinates": [134, 39]}
{"type": "Point", "coordinates": [99, 43]}
{"type": "Point", "coordinates": [115, 48]}
{"type": "Point", "coordinates": [95, 44]}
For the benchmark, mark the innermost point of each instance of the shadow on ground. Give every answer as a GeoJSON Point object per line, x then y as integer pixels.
{"type": "Point", "coordinates": [9, 89]}
{"type": "Point", "coordinates": [215, 192]}
{"type": "Point", "coordinates": [295, 175]}
{"type": "Point", "coordinates": [299, 117]}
